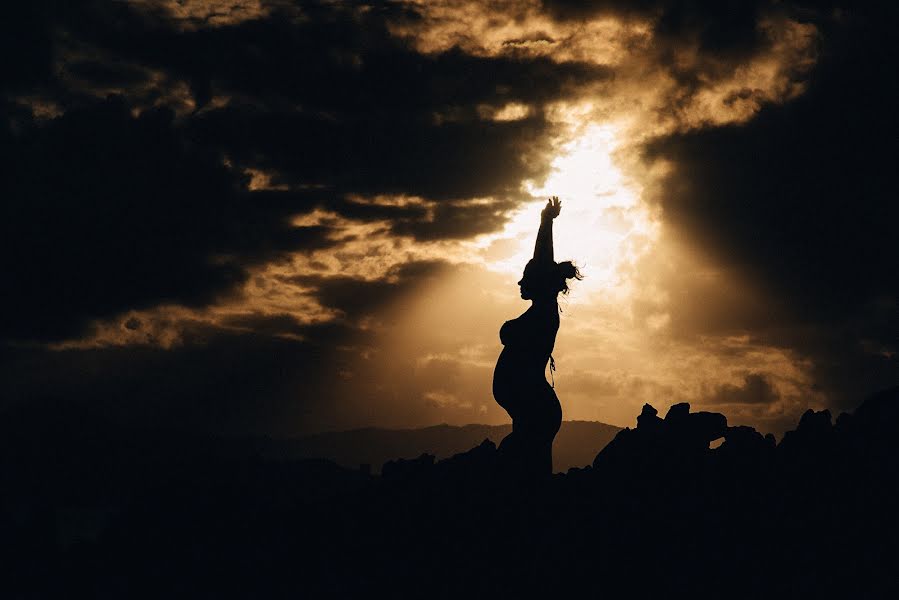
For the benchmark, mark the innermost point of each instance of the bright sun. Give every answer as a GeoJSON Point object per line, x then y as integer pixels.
{"type": "Point", "coordinates": [603, 227]}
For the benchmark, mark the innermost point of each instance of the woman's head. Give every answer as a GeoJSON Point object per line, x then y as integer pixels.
{"type": "Point", "coordinates": [541, 281]}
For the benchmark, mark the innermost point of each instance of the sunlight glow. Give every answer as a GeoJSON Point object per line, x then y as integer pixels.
{"type": "Point", "coordinates": [604, 226]}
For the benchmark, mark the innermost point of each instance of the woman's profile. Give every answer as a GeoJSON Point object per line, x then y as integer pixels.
{"type": "Point", "coordinates": [519, 380]}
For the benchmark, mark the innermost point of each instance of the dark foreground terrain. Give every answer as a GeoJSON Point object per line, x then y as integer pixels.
{"type": "Point", "coordinates": [658, 514]}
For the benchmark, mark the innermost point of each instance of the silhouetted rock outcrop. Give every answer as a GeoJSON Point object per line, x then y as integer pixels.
{"type": "Point", "coordinates": [680, 437]}
{"type": "Point", "coordinates": [747, 444]}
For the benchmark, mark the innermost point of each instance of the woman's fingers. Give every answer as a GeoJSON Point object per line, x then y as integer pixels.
{"type": "Point", "coordinates": [554, 205]}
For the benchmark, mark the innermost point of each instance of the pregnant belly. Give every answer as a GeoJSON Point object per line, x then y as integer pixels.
{"type": "Point", "coordinates": [513, 376]}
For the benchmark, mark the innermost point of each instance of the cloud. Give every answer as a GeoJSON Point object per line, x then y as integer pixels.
{"type": "Point", "coordinates": [24, 34]}
{"type": "Point", "coordinates": [199, 14]}
{"type": "Point", "coordinates": [720, 27]}
{"type": "Point", "coordinates": [208, 97]}
{"type": "Point", "coordinates": [357, 298]}
{"type": "Point", "coordinates": [361, 112]}
{"type": "Point", "coordinates": [223, 381]}
{"type": "Point", "coordinates": [755, 389]}
{"type": "Point", "coordinates": [284, 178]}
{"type": "Point", "coordinates": [676, 65]}
{"type": "Point", "coordinates": [796, 203]}
{"type": "Point", "coordinates": [106, 212]}
{"type": "Point", "coordinates": [398, 153]}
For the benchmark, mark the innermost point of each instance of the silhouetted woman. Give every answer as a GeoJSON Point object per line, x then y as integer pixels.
{"type": "Point", "coordinates": [519, 380]}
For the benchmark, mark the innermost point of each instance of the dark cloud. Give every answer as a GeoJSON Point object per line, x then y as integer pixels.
{"type": "Point", "coordinates": [105, 212]}
{"type": "Point", "coordinates": [218, 381]}
{"type": "Point", "coordinates": [267, 324]}
{"type": "Point", "coordinates": [374, 116]}
{"type": "Point", "coordinates": [360, 111]}
{"type": "Point", "coordinates": [26, 44]}
{"type": "Point", "coordinates": [118, 205]}
{"type": "Point", "coordinates": [354, 66]}
{"type": "Point", "coordinates": [102, 73]}
{"type": "Point", "coordinates": [719, 26]}
{"type": "Point", "coordinates": [405, 153]}
{"type": "Point", "coordinates": [357, 298]}
{"type": "Point", "coordinates": [755, 390]}
{"type": "Point", "coordinates": [457, 220]}
{"type": "Point", "coordinates": [702, 44]}
{"type": "Point", "coordinates": [800, 202]}
{"type": "Point", "coordinates": [372, 211]}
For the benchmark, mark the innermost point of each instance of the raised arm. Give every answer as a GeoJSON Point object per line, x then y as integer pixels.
{"type": "Point", "coordinates": [543, 249]}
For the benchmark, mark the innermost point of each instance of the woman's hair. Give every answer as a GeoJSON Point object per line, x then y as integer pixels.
{"type": "Point", "coordinates": [552, 278]}
{"type": "Point", "coordinates": [563, 272]}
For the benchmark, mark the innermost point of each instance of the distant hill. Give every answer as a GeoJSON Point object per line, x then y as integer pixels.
{"type": "Point", "coordinates": [576, 445]}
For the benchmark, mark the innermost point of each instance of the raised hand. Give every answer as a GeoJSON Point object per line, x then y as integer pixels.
{"type": "Point", "coordinates": [552, 209]}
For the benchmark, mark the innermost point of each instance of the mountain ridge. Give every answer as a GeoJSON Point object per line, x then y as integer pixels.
{"type": "Point", "coordinates": [576, 444]}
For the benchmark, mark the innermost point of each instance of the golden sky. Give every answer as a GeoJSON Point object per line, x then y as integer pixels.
{"type": "Point", "coordinates": [319, 211]}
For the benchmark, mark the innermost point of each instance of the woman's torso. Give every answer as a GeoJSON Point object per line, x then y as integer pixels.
{"type": "Point", "coordinates": [527, 344]}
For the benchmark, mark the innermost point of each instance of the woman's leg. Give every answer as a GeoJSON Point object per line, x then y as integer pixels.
{"type": "Point", "coordinates": [550, 423]}
{"type": "Point", "coordinates": [533, 432]}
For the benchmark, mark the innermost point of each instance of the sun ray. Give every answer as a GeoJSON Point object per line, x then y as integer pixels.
{"type": "Point", "coordinates": [604, 226]}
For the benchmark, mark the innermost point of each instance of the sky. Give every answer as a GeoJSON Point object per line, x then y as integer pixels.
{"type": "Point", "coordinates": [278, 218]}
